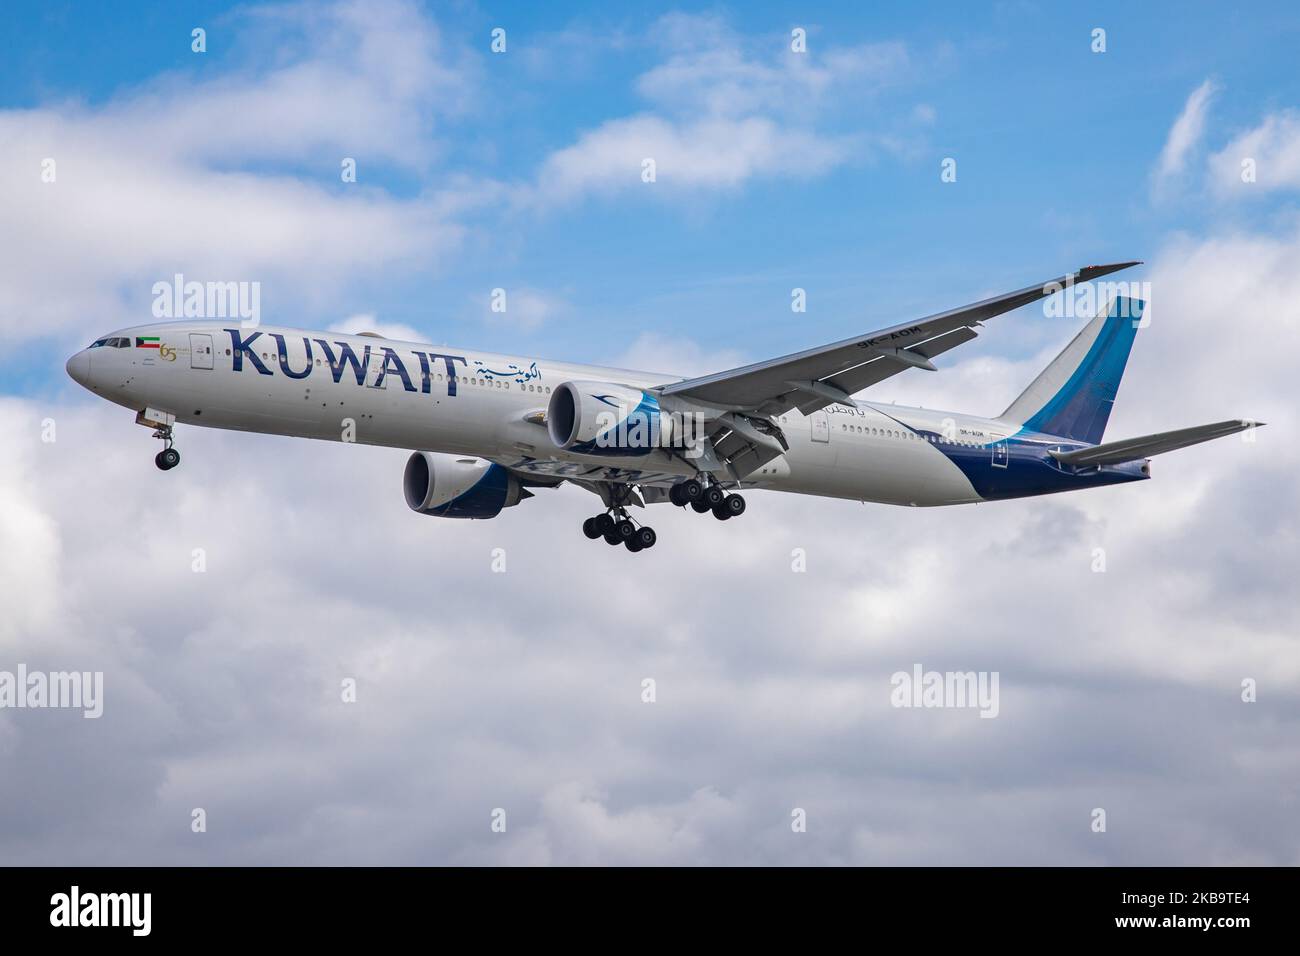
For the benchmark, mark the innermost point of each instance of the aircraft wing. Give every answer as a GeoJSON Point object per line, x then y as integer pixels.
{"type": "Point", "coordinates": [823, 376]}
{"type": "Point", "coordinates": [1131, 449]}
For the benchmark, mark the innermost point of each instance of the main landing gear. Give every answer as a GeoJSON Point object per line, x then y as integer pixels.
{"type": "Point", "coordinates": [169, 457]}
{"type": "Point", "coordinates": [616, 527]}
{"type": "Point", "coordinates": [701, 497]}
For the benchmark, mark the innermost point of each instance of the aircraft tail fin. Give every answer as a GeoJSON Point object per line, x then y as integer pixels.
{"type": "Point", "coordinates": [1073, 396]}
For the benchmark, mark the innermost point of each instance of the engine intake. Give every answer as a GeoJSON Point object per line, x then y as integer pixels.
{"type": "Point", "coordinates": [450, 487]}
{"type": "Point", "coordinates": [599, 418]}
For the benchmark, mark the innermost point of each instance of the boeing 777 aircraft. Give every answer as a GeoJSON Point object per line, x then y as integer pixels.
{"type": "Point", "coordinates": [487, 429]}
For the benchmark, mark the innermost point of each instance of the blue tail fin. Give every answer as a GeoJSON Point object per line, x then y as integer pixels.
{"type": "Point", "coordinates": [1073, 396]}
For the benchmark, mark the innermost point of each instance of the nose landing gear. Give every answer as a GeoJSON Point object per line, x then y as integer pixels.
{"type": "Point", "coordinates": [169, 457]}
{"type": "Point", "coordinates": [161, 423]}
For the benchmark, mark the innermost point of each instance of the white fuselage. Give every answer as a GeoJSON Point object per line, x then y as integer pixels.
{"type": "Point", "coordinates": [466, 402]}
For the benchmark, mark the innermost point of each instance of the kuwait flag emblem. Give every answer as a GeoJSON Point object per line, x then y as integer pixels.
{"type": "Point", "coordinates": [146, 341]}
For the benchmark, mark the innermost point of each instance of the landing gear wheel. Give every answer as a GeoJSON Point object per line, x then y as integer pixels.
{"type": "Point", "coordinates": [685, 492]}
{"type": "Point", "coordinates": [604, 523]}
{"type": "Point", "coordinates": [611, 537]}
{"type": "Point", "coordinates": [625, 529]}
{"type": "Point", "coordinates": [589, 529]}
{"type": "Point", "coordinates": [644, 538]}
{"type": "Point", "coordinates": [734, 505]}
{"type": "Point", "coordinates": [169, 457]}
{"type": "Point", "coordinates": [713, 496]}
{"type": "Point", "coordinates": [720, 511]}
{"type": "Point", "coordinates": [633, 544]}
{"type": "Point", "coordinates": [699, 505]}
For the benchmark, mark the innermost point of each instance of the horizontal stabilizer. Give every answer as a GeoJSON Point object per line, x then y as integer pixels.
{"type": "Point", "coordinates": [1131, 449]}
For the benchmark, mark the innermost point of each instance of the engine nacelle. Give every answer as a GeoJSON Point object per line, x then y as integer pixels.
{"type": "Point", "coordinates": [448, 486]}
{"type": "Point", "coordinates": [598, 418]}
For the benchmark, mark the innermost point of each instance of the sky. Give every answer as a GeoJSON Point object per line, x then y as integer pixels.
{"type": "Point", "coordinates": [499, 667]}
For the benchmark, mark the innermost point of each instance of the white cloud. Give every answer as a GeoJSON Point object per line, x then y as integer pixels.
{"type": "Point", "coordinates": [1273, 148]}
{"type": "Point", "coordinates": [1184, 136]}
{"type": "Point", "coordinates": [576, 827]}
{"type": "Point", "coordinates": [716, 152]}
{"type": "Point", "coordinates": [714, 71]}
{"type": "Point", "coordinates": [725, 110]}
{"type": "Point", "coordinates": [155, 182]}
{"type": "Point", "coordinates": [367, 322]}
{"type": "Point", "coordinates": [675, 355]}
{"type": "Point", "coordinates": [527, 309]}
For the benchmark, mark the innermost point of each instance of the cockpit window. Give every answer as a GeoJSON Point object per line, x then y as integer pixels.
{"type": "Point", "coordinates": [99, 343]}
{"type": "Point", "coordinates": [121, 343]}
{"type": "Point", "coordinates": [115, 342]}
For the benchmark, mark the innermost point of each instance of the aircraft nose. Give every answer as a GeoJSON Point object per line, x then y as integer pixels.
{"type": "Point", "coordinates": [79, 368]}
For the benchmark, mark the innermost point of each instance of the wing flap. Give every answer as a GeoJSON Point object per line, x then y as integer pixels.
{"type": "Point", "coordinates": [942, 343]}
{"type": "Point", "coordinates": [1144, 446]}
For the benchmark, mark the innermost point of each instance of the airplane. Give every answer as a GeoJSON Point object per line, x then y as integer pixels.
{"type": "Point", "coordinates": [488, 430]}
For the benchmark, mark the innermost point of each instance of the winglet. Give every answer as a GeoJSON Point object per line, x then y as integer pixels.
{"type": "Point", "coordinates": [1088, 273]}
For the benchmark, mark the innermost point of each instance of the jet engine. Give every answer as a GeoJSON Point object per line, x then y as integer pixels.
{"type": "Point", "coordinates": [449, 486]}
{"type": "Point", "coordinates": [598, 418]}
